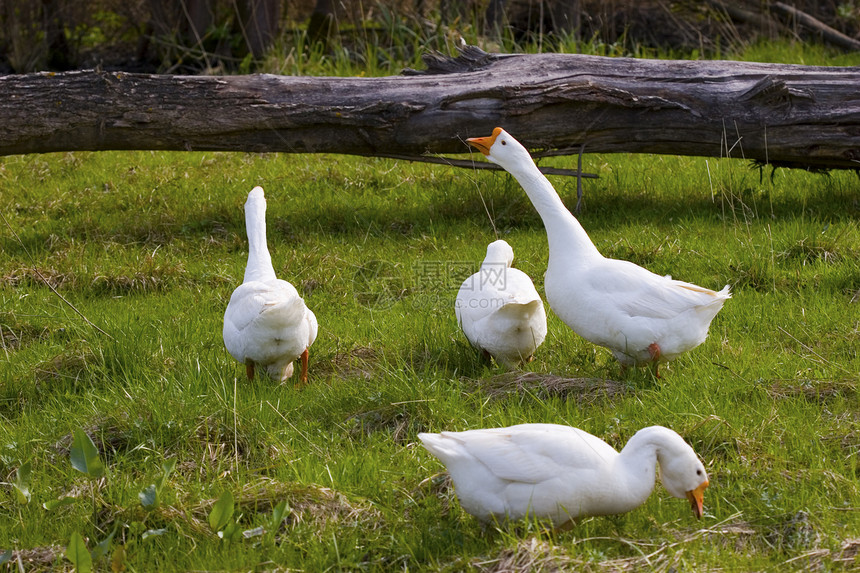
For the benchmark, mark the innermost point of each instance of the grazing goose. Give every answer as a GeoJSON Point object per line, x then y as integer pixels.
{"type": "Point", "coordinates": [562, 473]}
{"type": "Point", "coordinates": [643, 318]}
{"type": "Point", "coordinates": [499, 309]}
{"type": "Point", "coordinates": [266, 323]}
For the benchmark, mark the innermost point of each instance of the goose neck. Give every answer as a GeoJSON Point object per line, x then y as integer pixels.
{"type": "Point", "coordinates": [259, 266]}
{"type": "Point", "coordinates": [638, 467]}
{"type": "Point", "coordinates": [564, 232]}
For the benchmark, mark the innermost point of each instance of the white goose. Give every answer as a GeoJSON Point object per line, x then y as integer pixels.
{"type": "Point", "coordinates": [499, 309]}
{"type": "Point", "coordinates": [562, 473]}
{"type": "Point", "coordinates": [641, 317]}
{"type": "Point", "coordinates": [267, 323]}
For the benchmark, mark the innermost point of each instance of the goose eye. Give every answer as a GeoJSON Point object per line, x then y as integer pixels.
{"type": "Point", "coordinates": [504, 142]}
{"type": "Point", "coordinates": [698, 472]}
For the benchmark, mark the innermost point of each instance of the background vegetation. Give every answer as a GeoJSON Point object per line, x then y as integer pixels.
{"type": "Point", "coordinates": [130, 440]}
{"type": "Point", "coordinates": [227, 36]}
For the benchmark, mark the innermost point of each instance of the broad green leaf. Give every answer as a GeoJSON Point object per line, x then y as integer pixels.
{"type": "Point", "coordinates": [6, 556]}
{"type": "Point", "coordinates": [77, 553]}
{"type": "Point", "coordinates": [167, 468]}
{"type": "Point", "coordinates": [85, 456]}
{"type": "Point", "coordinates": [221, 512]}
{"type": "Point", "coordinates": [230, 532]}
{"type": "Point", "coordinates": [279, 512]}
{"type": "Point", "coordinates": [55, 503]}
{"type": "Point", "coordinates": [149, 498]}
{"type": "Point", "coordinates": [103, 547]}
{"type": "Point", "coordinates": [22, 483]}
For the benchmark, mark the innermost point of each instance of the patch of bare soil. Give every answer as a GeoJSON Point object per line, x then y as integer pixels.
{"type": "Point", "coordinates": [393, 419]}
{"type": "Point", "coordinates": [36, 559]}
{"type": "Point", "coordinates": [359, 362]}
{"type": "Point", "coordinates": [307, 503]}
{"type": "Point", "coordinates": [849, 552]}
{"type": "Point", "coordinates": [818, 391]}
{"type": "Point", "coordinates": [530, 555]}
{"type": "Point", "coordinates": [32, 276]}
{"type": "Point", "coordinates": [582, 390]}
{"type": "Point", "coordinates": [72, 364]}
{"type": "Point", "coordinates": [14, 333]}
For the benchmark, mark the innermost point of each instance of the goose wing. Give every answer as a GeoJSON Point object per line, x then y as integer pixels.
{"type": "Point", "coordinates": [534, 453]}
{"type": "Point", "coordinates": [638, 292]}
{"type": "Point", "coordinates": [272, 302]}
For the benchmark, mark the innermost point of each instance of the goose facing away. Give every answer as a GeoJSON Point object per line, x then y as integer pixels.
{"type": "Point", "coordinates": [267, 323]}
{"type": "Point", "coordinates": [499, 309]}
{"type": "Point", "coordinates": [642, 317]}
{"type": "Point", "coordinates": [561, 473]}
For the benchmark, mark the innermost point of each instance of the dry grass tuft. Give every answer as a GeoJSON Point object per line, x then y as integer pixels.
{"type": "Point", "coordinates": [401, 420]}
{"type": "Point", "coordinates": [153, 277]}
{"type": "Point", "coordinates": [219, 442]}
{"type": "Point", "coordinates": [33, 277]}
{"type": "Point", "coordinates": [440, 486]}
{"type": "Point", "coordinates": [14, 333]}
{"type": "Point", "coordinates": [531, 555]}
{"type": "Point", "coordinates": [308, 503]}
{"type": "Point", "coordinates": [581, 390]}
{"type": "Point", "coordinates": [360, 362]}
{"type": "Point", "coordinates": [818, 391]}
{"type": "Point", "coordinates": [391, 419]}
{"type": "Point", "coordinates": [849, 553]}
{"type": "Point", "coordinates": [534, 555]}
{"type": "Point", "coordinates": [108, 437]}
{"type": "Point", "coordinates": [793, 531]}
{"type": "Point", "coordinates": [73, 364]}
{"type": "Point", "coordinates": [36, 559]}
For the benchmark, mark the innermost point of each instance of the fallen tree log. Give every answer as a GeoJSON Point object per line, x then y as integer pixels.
{"type": "Point", "coordinates": [829, 34]}
{"type": "Point", "coordinates": [782, 114]}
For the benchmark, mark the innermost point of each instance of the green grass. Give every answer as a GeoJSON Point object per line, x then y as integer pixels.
{"type": "Point", "coordinates": [149, 245]}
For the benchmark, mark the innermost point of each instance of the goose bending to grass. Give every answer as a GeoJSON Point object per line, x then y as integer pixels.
{"type": "Point", "coordinates": [499, 309]}
{"type": "Point", "coordinates": [643, 318]}
{"type": "Point", "coordinates": [560, 473]}
{"type": "Point", "coordinates": [267, 323]}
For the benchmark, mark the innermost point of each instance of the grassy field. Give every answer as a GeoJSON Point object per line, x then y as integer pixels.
{"type": "Point", "coordinates": [145, 248]}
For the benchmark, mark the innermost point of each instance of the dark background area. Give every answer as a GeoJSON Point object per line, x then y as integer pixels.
{"type": "Point", "coordinates": [232, 36]}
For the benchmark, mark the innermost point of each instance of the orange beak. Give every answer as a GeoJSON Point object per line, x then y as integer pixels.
{"type": "Point", "coordinates": [484, 143]}
{"type": "Point", "coordinates": [697, 498]}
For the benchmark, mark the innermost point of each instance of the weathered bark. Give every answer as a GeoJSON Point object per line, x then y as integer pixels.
{"type": "Point", "coordinates": [784, 114]}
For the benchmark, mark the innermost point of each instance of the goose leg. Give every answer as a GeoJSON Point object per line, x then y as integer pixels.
{"type": "Point", "coordinates": [249, 369]}
{"type": "Point", "coordinates": [654, 350]}
{"type": "Point", "coordinates": [567, 525]}
{"type": "Point", "coordinates": [304, 375]}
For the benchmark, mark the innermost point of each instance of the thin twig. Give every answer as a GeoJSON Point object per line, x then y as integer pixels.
{"type": "Point", "coordinates": [479, 165]}
{"type": "Point", "coordinates": [47, 283]}
{"type": "Point", "coordinates": [739, 377]}
{"type": "Point", "coordinates": [3, 341]}
{"type": "Point", "coordinates": [579, 178]}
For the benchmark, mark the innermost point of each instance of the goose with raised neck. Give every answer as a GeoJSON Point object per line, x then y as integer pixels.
{"type": "Point", "coordinates": [267, 324]}
{"type": "Point", "coordinates": [641, 317]}
{"type": "Point", "coordinates": [561, 473]}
